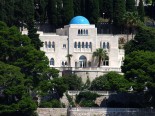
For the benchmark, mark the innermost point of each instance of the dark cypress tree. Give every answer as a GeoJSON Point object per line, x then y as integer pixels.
{"type": "Point", "coordinates": [130, 5]}
{"type": "Point", "coordinates": [119, 11]}
{"type": "Point", "coordinates": [32, 34]}
{"type": "Point", "coordinates": [68, 11]}
{"type": "Point", "coordinates": [107, 9]}
{"type": "Point", "coordinates": [52, 12]}
{"type": "Point", "coordinates": [84, 7]}
{"type": "Point", "coordinates": [59, 13]}
{"type": "Point", "coordinates": [77, 7]}
{"type": "Point", "coordinates": [93, 11]}
{"type": "Point", "coordinates": [40, 10]}
{"type": "Point", "coordinates": [141, 11]}
{"type": "Point", "coordinates": [153, 9]}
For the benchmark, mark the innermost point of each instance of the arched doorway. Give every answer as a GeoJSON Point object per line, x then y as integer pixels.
{"type": "Point", "coordinates": [83, 61]}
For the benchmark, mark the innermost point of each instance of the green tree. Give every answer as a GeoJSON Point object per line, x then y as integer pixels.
{"type": "Point", "coordinates": [68, 11]}
{"type": "Point", "coordinates": [73, 81]}
{"type": "Point", "coordinates": [141, 11]}
{"type": "Point", "coordinates": [59, 13]}
{"type": "Point", "coordinates": [86, 99]}
{"type": "Point", "coordinates": [32, 34]}
{"type": "Point", "coordinates": [131, 21]}
{"type": "Point", "coordinates": [130, 6]}
{"type": "Point", "coordinates": [107, 8]}
{"type": "Point", "coordinates": [144, 40]}
{"type": "Point", "coordinates": [118, 11]}
{"type": "Point", "coordinates": [100, 54]}
{"type": "Point", "coordinates": [23, 11]}
{"type": "Point", "coordinates": [16, 49]}
{"type": "Point", "coordinates": [111, 81]}
{"type": "Point", "coordinates": [14, 99]}
{"type": "Point", "coordinates": [139, 68]}
{"type": "Point", "coordinates": [93, 11]}
{"type": "Point", "coordinates": [77, 7]}
{"type": "Point", "coordinates": [52, 12]}
{"type": "Point", "coordinates": [40, 10]}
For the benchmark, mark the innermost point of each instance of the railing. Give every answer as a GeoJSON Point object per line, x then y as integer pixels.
{"type": "Point", "coordinates": [112, 109]}
{"type": "Point", "coordinates": [105, 93]}
{"type": "Point", "coordinates": [90, 69]}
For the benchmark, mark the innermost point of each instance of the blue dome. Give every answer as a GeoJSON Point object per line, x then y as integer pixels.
{"type": "Point", "coordinates": [79, 20]}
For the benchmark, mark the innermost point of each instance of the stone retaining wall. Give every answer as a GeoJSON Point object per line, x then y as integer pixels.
{"type": "Point", "coordinates": [52, 111]}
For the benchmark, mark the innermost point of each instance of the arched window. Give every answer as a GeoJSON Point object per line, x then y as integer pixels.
{"type": "Point", "coordinates": [78, 31]}
{"type": "Point", "coordinates": [87, 32]}
{"type": "Point", "coordinates": [81, 31]}
{"type": "Point", "coordinates": [104, 45]}
{"type": "Point", "coordinates": [52, 61]}
{"type": "Point", "coordinates": [82, 44]}
{"type": "Point", "coordinates": [84, 31]}
{"type": "Point", "coordinates": [65, 63]}
{"type": "Point", "coordinates": [86, 44]}
{"type": "Point", "coordinates": [107, 45]}
{"type": "Point", "coordinates": [82, 58]}
{"type": "Point", "coordinates": [83, 61]}
{"type": "Point", "coordinates": [46, 44]}
{"type": "Point", "coordinates": [53, 44]}
{"type": "Point", "coordinates": [49, 44]}
{"type": "Point", "coordinates": [62, 63]}
{"type": "Point", "coordinates": [90, 45]}
{"type": "Point", "coordinates": [75, 44]}
{"type": "Point", "coordinates": [79, 45]}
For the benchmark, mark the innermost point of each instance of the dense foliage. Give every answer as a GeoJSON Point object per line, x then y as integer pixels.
{"type": "Point", "coordinates": [139, 67]}
{"type": "Point", "coordinates": [14, 96]}
{"type": "Point", "coordinates": [144, 40]}
{"type": "Point", "coordinates": [86, 99]}
{"type": "Point", "coordinates": [111, 81]}
{"type": "Point", "coordinates": [73, 81]}
{"type": "Point", "coordinates": [25, 69]}
{"type": "Point", "coordinates": [60, 12]}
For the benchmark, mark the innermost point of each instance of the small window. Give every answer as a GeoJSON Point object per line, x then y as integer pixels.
{"type": "Point", "coordinates": [86, 44]}
{"type": "Point", "coordinates": [52, 61]}
{"type": "Point", "coordinates": [64, 45]}
{"type": "Point", "coordinates": [104, 46]}
{"type": "Point", "coordinates": [82, 44]}
{"type": "Point", "coordinates": [79, 45]}
{"type": "Point", "coordinates": [107, 45]}
{"type": "Point", "coordinates": [46, 44]}
{"type": "Point", "coordinates": [84, 32]}
{"type": "Point", "coordinates": [75, 45]}
{"type": "Point", "coordinates": [65, 63]}
{"type": "Point", "coordinates": [79, 31]}
{"type": "Point", "coordinates": [53, 44]}
{"type": "Point", "coordinates": [106, 63]}
{"type": "Point", "coordinates": [49, 44]}
{"type": "Point", "coordinates": [87, 32]}
{"type": "Point", "coordinates": [90, 45]}
{"type": "Point", "coordinates": [62, 63]}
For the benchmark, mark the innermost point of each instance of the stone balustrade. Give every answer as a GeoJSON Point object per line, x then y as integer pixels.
{"type": "Point", "coordinates": [104, 93]}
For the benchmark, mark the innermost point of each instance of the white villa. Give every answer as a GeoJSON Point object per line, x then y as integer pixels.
{"type": "Point", "coordinates": [80, 39]}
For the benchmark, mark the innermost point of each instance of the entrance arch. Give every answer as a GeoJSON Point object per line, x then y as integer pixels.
{"type": "Point", "coordinates": [83, 61]}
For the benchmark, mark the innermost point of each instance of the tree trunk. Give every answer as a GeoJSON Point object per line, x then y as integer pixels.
{"type": "Point", "coordinates": [99, 62]}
